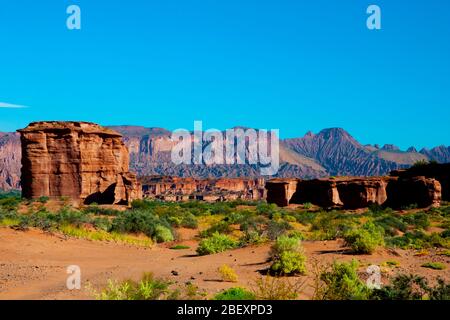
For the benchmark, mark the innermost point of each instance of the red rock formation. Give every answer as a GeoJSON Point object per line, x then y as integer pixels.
{"type": "Point", "coordinates": [79, 160]}
{"type": "Point", "coordinates": [362, 192]}
{"type": "Point", "coordinates": [280, 191]}
{"type": "Point", "coordinates": [10, 156]}
{"type": "Point", "coordinates": [440, 172]}
{"type": "Point", "coordinates": [420, 191]}
{"type": "Point", "coordinates": [182, 189]}
{"type": "Point", "coordinates": [354, 193]}
{"type": "Point", "coordinates": [321, 192]}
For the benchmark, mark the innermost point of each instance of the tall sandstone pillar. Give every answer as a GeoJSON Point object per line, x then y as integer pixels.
{"type": "Point", "coordinates": [79, 160]}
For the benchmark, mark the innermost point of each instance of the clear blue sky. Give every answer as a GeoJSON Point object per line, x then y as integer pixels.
{"type": "Point", "coordinates": [287, 64]}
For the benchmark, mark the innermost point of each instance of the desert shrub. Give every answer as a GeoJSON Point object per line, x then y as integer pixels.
{"type": "Point", "coordinates": [445, 234]}
{"type": "Point", "coordinates": [101, 223]}
{"type": "Point", "coordinates": [9, 203]}
{"type": "Point", "coordinates": [365, 239]}
{"type": "Point", "coordinates": [254, 223]}
{"type": "Point", "coordinates": [307, 205]}
{"type": "Point", "coordinates": [276, 229]}
{"type": "Point", "coordinates": [69, 216]}
{"type": "Point", "coordinates": [274, 288]}
{"type": "Point", "coordinates": [179, 247]}
{"type": "Point", "coordinates": [267, 209]}
{"type": "Point", "coordinates": [95, 209]}
{"type": "Point", "coordinates": [148, 288]}
{"type": "Point", "coordinates": [143, 204]}
{"type": "Point", "coordinates": [418, 240]}
{"type": "Point", "coordinates": [340, 282]}
{"type": "Point", "coordinates": [252, 238]}
{"type": "Point", "coordinates": [227, 273]}
{"type": "Point", "coordinates": [391, 224]}
{"type": "Point", "coordinates": [236, 293]}
{"type": "Point", "coordinates": [287, 256]}
{"type": "Point", "coordinates": [216, 243]}
{"type": "Point", "coordinates": [139, 221]}
{"type": "Point", "coordinates": [332, 225]}
{"type": "Point", "coordinates": [163, 234]}
{"type": "Point", "coordinates": [434, 265]}
{"type": "Point", "coordinates": [420, 220]}
{"type": "Point", "coordinates": [219, 227]}
{"type": "Point", "coordinates": [412, 287]}
{"type": "Point", "coordinates": [43, 199]}
{"type": "Point", "coordinates": [306, 217]}
{"type": "Point", "coordinates": [289, 218]}
{"type": "Point", "coordinates": [439, 292]}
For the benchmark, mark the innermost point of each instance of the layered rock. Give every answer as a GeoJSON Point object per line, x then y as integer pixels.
{"type": "Point", "coordinates": [420, 191]}
{"type": "Point", "coordinates": [280, 191]}
{"type": "Point", "coordinates": [354, 193]}
{"type": "Point", "coordinates": [440, 172]}
{"type": "Point", "coordinates": [10, 155]}
{"type": "Point", "coordinates": [79, 160]}
{"type": "Point", "coordinates": [182, 189]}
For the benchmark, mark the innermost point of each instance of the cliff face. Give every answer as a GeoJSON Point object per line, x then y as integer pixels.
{"type": "Point", "coordinates": [183, 189]}
{"type": "Point", "coordinates": [79, 160]}
{"type": "Point", "coordinates": [10, 155]}
{"type": "Point", "coordinates": [355, 192]}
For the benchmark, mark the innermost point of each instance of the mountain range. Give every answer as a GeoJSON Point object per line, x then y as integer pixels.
{"type": "Point", "coordinates": [331, 152]}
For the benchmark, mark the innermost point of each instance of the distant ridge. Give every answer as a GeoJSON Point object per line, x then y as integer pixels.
{"type": "Point", "coordinates": [331, 152]}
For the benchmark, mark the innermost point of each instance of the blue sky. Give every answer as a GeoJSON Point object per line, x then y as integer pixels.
{"type": "Point", "coordinates": [287, 64]}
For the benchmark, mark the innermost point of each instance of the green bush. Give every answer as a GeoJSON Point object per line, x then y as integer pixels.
{"type": "Point", "coordinates": [434, 265]}
{"type": "Point", "coordinates": [287, 256]}
{"type": "Point", "coordinates": [216, 243]}
{"type": "Point", "coordinates": [365, 239]}
{"type": "Point", "coordinates": [236, 293]}
{"type": "Point", "coordinates": [412, 287]}
{"type": "Point", "coordinates": [418, 240]}
{"type": "Point", "coordinates": [180, 247]}
{"type": "Point", "coordinates": [95, 209]}
{"type": "Point", "coordinates": [276, 229]}
{"type": "Point", "coordinates": [219, 227]}
{"type": "Point", "coordinates": [340, 283]}
{"type": "Point", "coordinates": [420, 220]}
{"type": "Point", "coordinates": [101, 223]}
{"type": "Point", "coordinates": [43, 199]}
{"type": "Point", "coordinates": [163, 234]}
{"type": "Point", "coordinates": [149, 288]}
{"type": "Point", "coordinates": [141, 221]}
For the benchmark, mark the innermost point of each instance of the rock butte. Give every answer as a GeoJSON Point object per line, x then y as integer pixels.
{"type": "Point", "coordinates": [79, 160]}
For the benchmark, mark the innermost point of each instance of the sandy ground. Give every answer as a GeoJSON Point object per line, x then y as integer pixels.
{"type": "Point", "coordinates": [33, 264]}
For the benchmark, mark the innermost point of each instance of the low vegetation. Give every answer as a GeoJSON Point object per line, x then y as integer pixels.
{"type": "Point", "coordinates": [287, 256]}
{"type": "Point", "coordinates": [215, 244]}
{"type": "Point", "coordinates": [227, 274]}
{"type": "Point", "coordinates": [230, 225]}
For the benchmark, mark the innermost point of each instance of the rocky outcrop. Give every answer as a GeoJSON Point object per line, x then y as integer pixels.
{"type": "Point", "coordinates": [362, 192]}
{"type": "Point", "coordinates": [355, 193]}
{"type": "Point", "coordinates": [420, 191]}
{"type": "Point", "coordinates": [183, 189]}
{"type": "Point", "coordinates": [344, 192]}
{"type": "Point", "coordinates": [280, 191]}
{"type": "Point", "coordinates": [82, 161]}
{"type": "Point", "coordinates": [440, 172]}
{"type": "Point", "coordinates": [10, 155]}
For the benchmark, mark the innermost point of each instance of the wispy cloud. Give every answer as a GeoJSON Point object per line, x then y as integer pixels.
{"type": "Point", "coordinates": [11, 106]}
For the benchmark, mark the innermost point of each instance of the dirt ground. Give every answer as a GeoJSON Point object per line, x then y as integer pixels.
{"type": "Point", "coordinates": [33, 264]}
